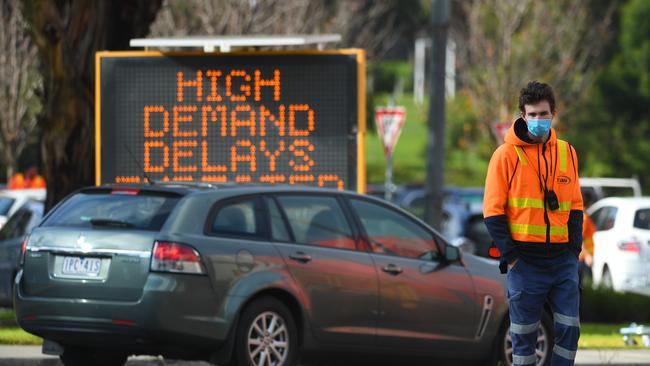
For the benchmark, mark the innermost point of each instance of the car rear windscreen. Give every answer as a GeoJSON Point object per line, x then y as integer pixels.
{"type": "Point", "coordinates": [101, 209]}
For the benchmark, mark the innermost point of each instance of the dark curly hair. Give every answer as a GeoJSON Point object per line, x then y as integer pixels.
{"type": "Point", "coordinates": [534, 93]}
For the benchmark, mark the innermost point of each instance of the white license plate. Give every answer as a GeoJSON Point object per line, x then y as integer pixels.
{"type": "Point", "coordinates": [81, 266]}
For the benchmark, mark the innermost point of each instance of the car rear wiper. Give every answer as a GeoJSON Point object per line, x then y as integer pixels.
{"type": "Point", "coordinates": [109, 222]}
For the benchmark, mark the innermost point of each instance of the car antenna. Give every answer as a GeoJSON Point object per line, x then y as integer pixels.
{"type": "Point", "coordinates": [149, 180]}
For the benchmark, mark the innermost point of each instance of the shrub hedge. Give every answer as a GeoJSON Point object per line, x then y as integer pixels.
{"type": "Point", "coordinates": [600, 305]}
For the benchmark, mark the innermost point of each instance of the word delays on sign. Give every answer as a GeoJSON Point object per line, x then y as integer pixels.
{"type": "Point", "coordinates": [389, 121]}
{"type": "Point", "coordinates": [257, 117]}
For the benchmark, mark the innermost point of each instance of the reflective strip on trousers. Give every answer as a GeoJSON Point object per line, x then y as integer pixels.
{"type": "Point", "coordinates": [570, 321]}
{"type": "Point", "coordinates": [523, 328]}
{"type": "Point", "coordinates": [564, 353]}
{"type": "Point", "coordinates": [537, 229]}
{"type": "Point", "coordinates": [524, 360]}
{"type": "Point", "coordinates": [535, 203]}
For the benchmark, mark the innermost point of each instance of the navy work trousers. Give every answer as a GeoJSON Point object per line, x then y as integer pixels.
{"type": "Point", "coordinates": [530, 285]}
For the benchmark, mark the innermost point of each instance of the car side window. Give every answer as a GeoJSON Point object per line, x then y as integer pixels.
{"type": "Point", "coordinates": [237, 218]}
{"type": "Point", "coordinates": [390, 232]}
{"type": "Point", "coordinates": [317, 220]}
{"type": "Point", "coordinates": [642, 219]}
{"type": "Point", "coordinates": [279, 230]}
{"type": "Point", "coordinates": [605, 218]}
{"type": "Point", "coordinates": [16, 226]}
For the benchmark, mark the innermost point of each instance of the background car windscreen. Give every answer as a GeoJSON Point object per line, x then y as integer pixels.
{"type": "Point", "coordinates": [85, 210]}
{"type": "Point", "coordinates": [5, 204]}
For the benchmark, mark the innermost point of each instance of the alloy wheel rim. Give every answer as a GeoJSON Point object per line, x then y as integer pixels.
{"type": "Point", "coordinates": [541, 348]}
{"type": "Point", "coordinates": [268, 340]}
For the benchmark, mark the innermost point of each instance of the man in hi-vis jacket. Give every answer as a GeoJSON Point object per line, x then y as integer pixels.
{"type": "Point", "coordinates": [533, 211]}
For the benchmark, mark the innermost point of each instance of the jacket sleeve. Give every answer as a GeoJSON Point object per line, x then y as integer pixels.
{"type": "Point", "coordinates": [576, 214]}
{"type": "Point", "coordinates": [494, 205]}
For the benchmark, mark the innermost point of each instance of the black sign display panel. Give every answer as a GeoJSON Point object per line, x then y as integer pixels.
{"type": "Point", "coordinates": [287, 118]}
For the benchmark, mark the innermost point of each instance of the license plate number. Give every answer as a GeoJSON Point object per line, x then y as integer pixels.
{"type": "Point", "coordinates": [81, 266]}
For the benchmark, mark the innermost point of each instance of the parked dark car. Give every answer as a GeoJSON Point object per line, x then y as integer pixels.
{"type": "Point", "coordinates": [254, 275]}
{"type": "Point", "coordinates": [462, 214]}
{"type": "Point", "coordinates": [12, 236]}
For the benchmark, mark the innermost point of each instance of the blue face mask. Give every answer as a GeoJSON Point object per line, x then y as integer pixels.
{"type": "Point", "coordinates": [539, 127]}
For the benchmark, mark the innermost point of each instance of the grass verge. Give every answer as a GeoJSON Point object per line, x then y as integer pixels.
{"type": "Point", "coordinates": [17, 336]}
{"type": "Point", "coordinates": [600, 336]}
{"type": "Point", "coordinates": [593, 335]}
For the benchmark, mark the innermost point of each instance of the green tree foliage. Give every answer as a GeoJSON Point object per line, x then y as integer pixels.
{"type": "Point", "coordinates": [611, 128]}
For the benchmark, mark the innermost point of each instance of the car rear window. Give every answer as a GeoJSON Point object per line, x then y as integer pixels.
{"type": "Point", "coordinates": [5, 205]}
{"type": "Point", "coordinates": [642, 219]}
{"type": "Point", "coordinates": [143, 211]}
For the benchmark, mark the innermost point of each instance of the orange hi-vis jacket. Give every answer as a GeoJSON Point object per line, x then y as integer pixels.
{"type": "Point", "coordinates": [518, 175]}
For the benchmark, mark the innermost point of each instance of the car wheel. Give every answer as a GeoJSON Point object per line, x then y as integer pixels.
{"type": "Point", "coordinates": [266, 335]}
{"type": "Point", "coordinates": [74, 356]}
{"type": "Point", "coordinates": [543, 348]}
{"type": "Point", "coordinates": [606, 281]}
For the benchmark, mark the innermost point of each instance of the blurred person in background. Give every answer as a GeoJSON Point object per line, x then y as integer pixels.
{"type": "Point", "coordinates": [587, 254]}
{"type": "Point", "coordinates": [28, 180]}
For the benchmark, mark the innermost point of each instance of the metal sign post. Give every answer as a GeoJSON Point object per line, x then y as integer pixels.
{"type": "Point", "coordinates": [389, 122]}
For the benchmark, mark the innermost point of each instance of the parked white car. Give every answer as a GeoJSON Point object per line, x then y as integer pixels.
{"type": "Point", "coordinates": [12, 199]}
{"type": "Point", "coordinates": [622, 243]}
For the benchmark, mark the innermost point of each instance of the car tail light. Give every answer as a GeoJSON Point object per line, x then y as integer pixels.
{"type": "Point", "coordinates": [175, 257]}
{"type": "Point", "coordinates": [632, 246]}
{"type": "Point", "coordinates": [23, 249]}
{"type": "Point", "coordinates": [126, 191]}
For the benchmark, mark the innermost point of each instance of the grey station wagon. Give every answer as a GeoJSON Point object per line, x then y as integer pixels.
{"type": "Point", "coordinates": [253, 275]}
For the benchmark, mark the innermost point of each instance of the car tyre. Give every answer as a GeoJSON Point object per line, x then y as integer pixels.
{"type": "Point", "coordinates": [266, 329]}
{"type": "Point", "coordinates": [73, 356]}
{"type": "Point", "coordinates": [544, 347]}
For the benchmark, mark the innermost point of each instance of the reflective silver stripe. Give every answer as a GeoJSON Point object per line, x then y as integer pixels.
{"type": "Point", "coordinates": [564, 353]}
{"type": "Point", "coordinates": [523, 328]}
{"type": "Point", "coordinates": [524, 360]}
{"type": "Point", "coordinates": [571, 321]}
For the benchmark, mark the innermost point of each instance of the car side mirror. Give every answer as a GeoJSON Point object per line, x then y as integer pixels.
{"type": "Point", "coordinates": [452, 254]}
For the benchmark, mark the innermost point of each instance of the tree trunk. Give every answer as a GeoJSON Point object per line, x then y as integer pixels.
{"type": "Point", "coordinates": [68, 33]}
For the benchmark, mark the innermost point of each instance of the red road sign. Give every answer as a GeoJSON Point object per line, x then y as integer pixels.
{"type": "Point", "coordinates": [389, 122]}
{"type": "Point", "coordinates": [500, 129]}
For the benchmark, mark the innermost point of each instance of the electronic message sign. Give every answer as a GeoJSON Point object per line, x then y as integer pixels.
{"type": "Point", "coordinates": [258, 117]}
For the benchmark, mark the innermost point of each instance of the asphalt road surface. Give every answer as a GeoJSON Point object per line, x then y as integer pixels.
{"type": "Point", "coordinates": [32, 356]}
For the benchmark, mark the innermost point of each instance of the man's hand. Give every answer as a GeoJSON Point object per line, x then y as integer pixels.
{"type": "Point", "coordinates": [511, 265]}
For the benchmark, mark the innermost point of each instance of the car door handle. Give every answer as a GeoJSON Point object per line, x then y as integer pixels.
{"type": "Point", "coordinates": [392, 269]}
{"type": "Point", "coordinates": [300, 257]}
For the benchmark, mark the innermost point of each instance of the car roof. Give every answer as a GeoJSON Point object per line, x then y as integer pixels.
{"type": "Point", "coordinates": [37, 193]}
{"type": "Point", "coordinates": [624, 201]}
{"type": "Point", "coordinates": [233, 188]}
